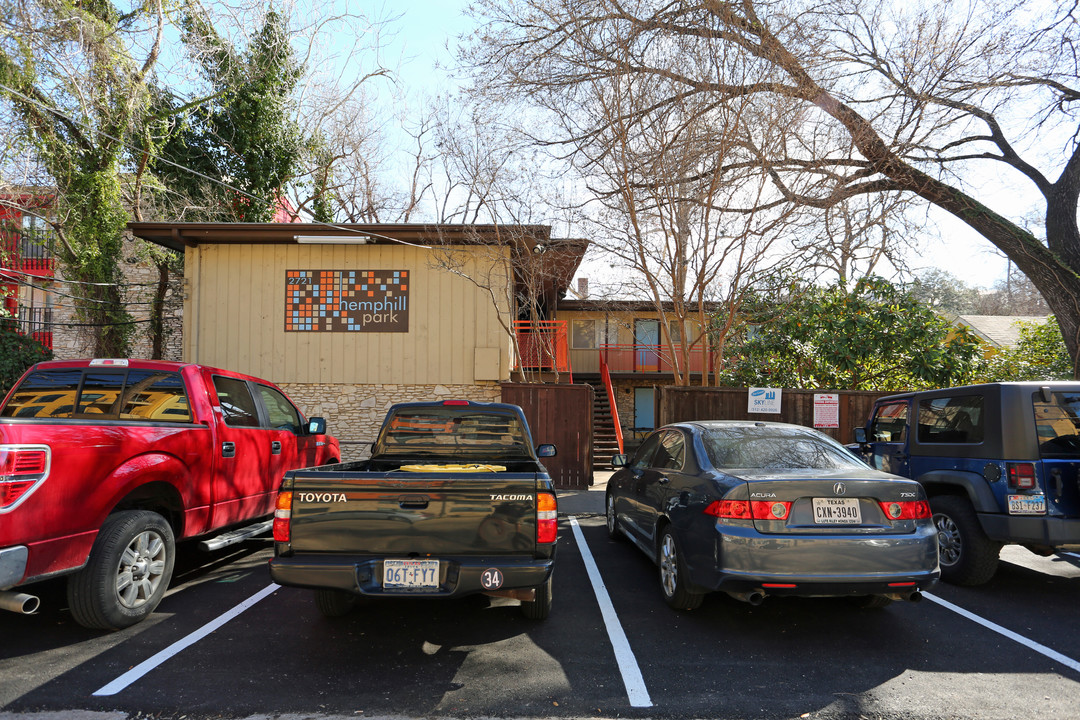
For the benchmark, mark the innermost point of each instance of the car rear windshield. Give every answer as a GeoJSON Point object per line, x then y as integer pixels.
{"type": "Point", "coordinates": [1057, 423]}
{"type": "Point", "coordinates": [455, 432]}
{"type": "Point", "coordinates": [774, 448]}
{"type": "Point", "coordinates": [77, 394]}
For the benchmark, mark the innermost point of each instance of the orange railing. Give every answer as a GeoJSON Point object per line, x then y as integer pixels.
{"type": "Point", "coordinates": [542, 345]}
{"type": "Point", "coordinates": [639, 358]}
{"type": "Point", "coordinates": [606, 377]}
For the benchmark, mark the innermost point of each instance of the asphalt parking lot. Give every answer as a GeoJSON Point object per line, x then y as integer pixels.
{"type": "Point", "coordinates": [227, 643]}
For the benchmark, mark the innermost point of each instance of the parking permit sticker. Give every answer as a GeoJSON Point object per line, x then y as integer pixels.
{"type": "Point", "coordinates": [492, 579]}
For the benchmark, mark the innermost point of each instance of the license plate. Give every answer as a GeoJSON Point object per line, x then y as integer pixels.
{"type": "Point", "coordinates": [411, 574]}
{"type": "Point", "coordinates": [837, 511]}
{"type": "Point", "coordinates": [1027, 504]}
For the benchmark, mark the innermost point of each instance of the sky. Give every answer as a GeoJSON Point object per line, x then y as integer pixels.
{"type": "Point", "coordinates": [427, 35]}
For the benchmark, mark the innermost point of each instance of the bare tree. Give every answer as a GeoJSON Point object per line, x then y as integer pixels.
{"type": "Point", "coordinates": [919, 99]}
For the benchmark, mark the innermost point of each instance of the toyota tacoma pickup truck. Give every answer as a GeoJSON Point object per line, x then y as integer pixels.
{"type": "Point", "coordinates": [453, 501]}
{"type": "Point", "coordinates": [999, 463]}
{"type": "Point", "coordinates": [105, 464]}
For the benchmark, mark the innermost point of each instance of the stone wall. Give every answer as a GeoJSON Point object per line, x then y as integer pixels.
{"type": "Point", "coordinates": [354, 412]}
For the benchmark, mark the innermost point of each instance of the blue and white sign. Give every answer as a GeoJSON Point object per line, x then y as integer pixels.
{"type": "Point", "coordinates": [764, 400]}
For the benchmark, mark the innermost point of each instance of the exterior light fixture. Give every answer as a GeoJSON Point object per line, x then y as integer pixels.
{"type": "Point", "coordinates": [333, 239]}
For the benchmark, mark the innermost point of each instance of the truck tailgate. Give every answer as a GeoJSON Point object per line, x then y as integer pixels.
{"type": "Point", "coordinates": [408, 513]}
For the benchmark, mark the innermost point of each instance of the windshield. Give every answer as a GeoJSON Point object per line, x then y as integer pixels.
{"type": "Point", "coordinates": [765, 447]}
{"type": "Point", "coordinates": [1057, 423]}
{"type": "Point", "coordinates": [454, 431]}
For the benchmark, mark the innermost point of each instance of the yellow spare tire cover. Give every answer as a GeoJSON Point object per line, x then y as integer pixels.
{"type": "Point", "coordinates": [474, 468]}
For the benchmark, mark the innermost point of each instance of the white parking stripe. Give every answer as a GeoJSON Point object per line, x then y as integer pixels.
{"type": "Point", "coordinates": [147, 665]}
{"type": "Point", "coordinates": [624, 656]}
{"type": "Point", "coordinates": [1071, 554]}
{"type": "Point", "coordinates": [1027, 642]}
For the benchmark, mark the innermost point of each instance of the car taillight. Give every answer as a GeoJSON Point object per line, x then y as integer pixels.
{"type": "Point", "coordinates": [547, 518]}
{"type": "Point", "coordinates": [906, 510]}
{"type": "Point", "coordinates": [747, 510]}
{"type": "Point", "coordinates": [282, 516]}
{"type": "Point", "coordinates": [1021, 475]}
{"type": "Point", "coordinates": [22, 468]}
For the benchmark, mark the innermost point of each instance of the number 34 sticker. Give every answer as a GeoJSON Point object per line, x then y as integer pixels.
{"type": "Point", "coordinates": [491, 579]}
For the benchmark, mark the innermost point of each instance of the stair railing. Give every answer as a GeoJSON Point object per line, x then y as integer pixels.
{"type": "Point", "coordinates": [606, 377]}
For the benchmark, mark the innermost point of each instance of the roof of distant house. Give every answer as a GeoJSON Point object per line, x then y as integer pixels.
{"type": "Point", "coordinates": [998, 330]}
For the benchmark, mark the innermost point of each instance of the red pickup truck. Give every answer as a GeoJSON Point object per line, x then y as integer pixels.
{"type": "Point", "coordinates": [105, 464]}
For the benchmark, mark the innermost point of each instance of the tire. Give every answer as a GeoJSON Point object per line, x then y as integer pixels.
{"type": "Point", "coordinates": [966, 554]}
{"type": "Point", "coordinates": [332, 603]}
{"type": "Point", "coordinates": [673, 580]}
{"type": "Point", "coordinates": [540, 608]}
{"type": "Point", "coordinates": [613, 530]}
{"type": "Point", "coordinates": [128, 571]}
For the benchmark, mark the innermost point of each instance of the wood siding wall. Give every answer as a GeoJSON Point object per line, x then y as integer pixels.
{"type": "Point", "coordinates": [561, 415]}
{"type": "Point", "coordinates": [234, 317]}
{"type": "Point", "coordinates": [677, 404]}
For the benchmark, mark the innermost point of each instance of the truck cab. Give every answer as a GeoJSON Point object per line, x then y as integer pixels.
{"type": "Point", "coordinates": [999, 463]}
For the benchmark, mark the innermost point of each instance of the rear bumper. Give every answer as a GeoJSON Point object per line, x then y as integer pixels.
{"type": "Point", "coordinates": [13, 565]}
{"type": "Point", "coordinates": [1034, 530]}
{"type": "Point", "coordinates": [811, 565]}
{"type": "Point", "coordinates": [458, 576]}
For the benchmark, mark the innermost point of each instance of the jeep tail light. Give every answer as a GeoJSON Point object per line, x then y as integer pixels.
{"type": "Point", "coordinates": [547, 518]}
{"type": "Point", "coordinates": [22, 469]}
{"type": "Point", "coordinates": [282, 516]}
{"type": "Point", "coordinates": [906, 510]}
{"type": "Point", "coordinates": [1021, 475]}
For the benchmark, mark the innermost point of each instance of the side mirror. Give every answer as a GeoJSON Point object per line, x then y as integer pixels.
{"type": "Point", "coordinates": [860, 435]}
{"type": "Point", "coordinates": [618, 461]}
{"type": "Point", "coordinates": [546, 450]}
{"type": "Point", "coordinates": [316, 426]}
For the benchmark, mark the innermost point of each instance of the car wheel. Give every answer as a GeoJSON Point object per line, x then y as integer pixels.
{"type": "Point", "coordinates": [673, 580]}
{"type": "Point", "coordinates": [333, 603]}
{"type": "Point", "coordinates": [539, 608]}
{"type": "Point", "coordinates": [127, 573]}
{"type": "Point", "coordinates": [613, 530]}
{"type": "Point", "coordinates": [966, 554]}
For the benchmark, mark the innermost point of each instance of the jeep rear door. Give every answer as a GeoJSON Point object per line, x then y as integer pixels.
{"type": "Point", "coordinates": [1057, 423]}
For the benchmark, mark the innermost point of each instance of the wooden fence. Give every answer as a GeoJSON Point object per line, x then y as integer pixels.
{"type": "Point", "coordinates": [676, 404]}
{"type": "Point", "coordinates": [563, 416]}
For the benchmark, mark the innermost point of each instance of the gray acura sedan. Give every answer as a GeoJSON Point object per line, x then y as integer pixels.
{"type": "Point", "coordinates": [756, 509]}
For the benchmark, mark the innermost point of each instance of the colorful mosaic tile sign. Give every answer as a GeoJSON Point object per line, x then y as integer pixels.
{"type": "Point", "coordinates": [346, 300]}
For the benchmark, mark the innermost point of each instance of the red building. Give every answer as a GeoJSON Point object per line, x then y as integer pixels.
{"type": "Point", "coordinates": [27, 261]}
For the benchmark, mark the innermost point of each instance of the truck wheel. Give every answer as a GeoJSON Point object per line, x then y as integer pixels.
{"type": "Point", "coordinates": [673, 580]}
{"type": "Point", "coordinates": [129, 569]}
{"type": "Point", "coordinates": [539, 608]}
{"type": "Point", "coordinates": [967, 555]}
{"type": "Point", "coordinates": [333, 603]}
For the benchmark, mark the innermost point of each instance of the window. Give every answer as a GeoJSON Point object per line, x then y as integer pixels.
{"type": "Point", "coordinates": [1057, 423]}
{"type": "Point", "coordinates": [643, 456]}
{"type": "Point", "coordinates": [45, 394]}
{"type": "Point", "coordinates": [890, 423]}
{"type": "Point", "coordinates": [951, 420]}
{"type": "Point", "coordinates": [283, 416]}
{"type": "Point", "coordinates": [584, 334]}
{"type": "Point", "coordinates": [156, 396]}
{"type": "Point", "coordinates": [671, 452]}
{"type": "Point", "coordinates": [237, 405]}
{"type": "Point", "coordinates": [100, 392]}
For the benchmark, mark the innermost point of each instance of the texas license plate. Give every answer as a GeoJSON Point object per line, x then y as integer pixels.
{"type": "Point", "coordinates": [1027, 504]}
{"type": "Point", "coordinates": [411, 574]}
{"type": "Point", "coordinates": [837, 511]}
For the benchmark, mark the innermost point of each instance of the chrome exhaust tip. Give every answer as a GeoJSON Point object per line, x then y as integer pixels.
{"type": "Point", "coordinates": [19, 602]}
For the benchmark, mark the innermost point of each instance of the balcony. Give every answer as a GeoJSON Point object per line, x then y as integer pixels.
{"type": "Point", "coordinates": [636, 359]}
{"type": "Point", "coordinates": [542, 346]}
{"type": "Point", "coordinates": [36, 322]}
{"type": "Point", "coordinates": [29, 252]}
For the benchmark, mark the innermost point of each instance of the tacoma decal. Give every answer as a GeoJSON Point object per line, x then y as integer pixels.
{"type": "Point", "coordinates": [512, 497]}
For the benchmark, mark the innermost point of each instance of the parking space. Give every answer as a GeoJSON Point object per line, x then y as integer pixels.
{"type": "Point", "coordinates": [479, 657]}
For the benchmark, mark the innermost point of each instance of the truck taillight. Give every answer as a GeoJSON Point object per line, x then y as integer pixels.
{"type": "Point", "coordinates": [1021, 475]}
{"type": "Point", "coordinates": [547, 518]}
{"type": "Point", "coordinates": [906, 510]}
{"type": "Point", "coordinates": [282, 516]}
{"type": "Point", "coordinates": [22, 469]}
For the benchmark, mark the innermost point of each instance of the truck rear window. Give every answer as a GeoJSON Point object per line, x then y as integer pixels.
{"type": "Point", "coordinates": [449, 431]}
{"type": "Point", "coordinates": [1057, 422]}
{"type": "Point", "coordinates": [100, 395]}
